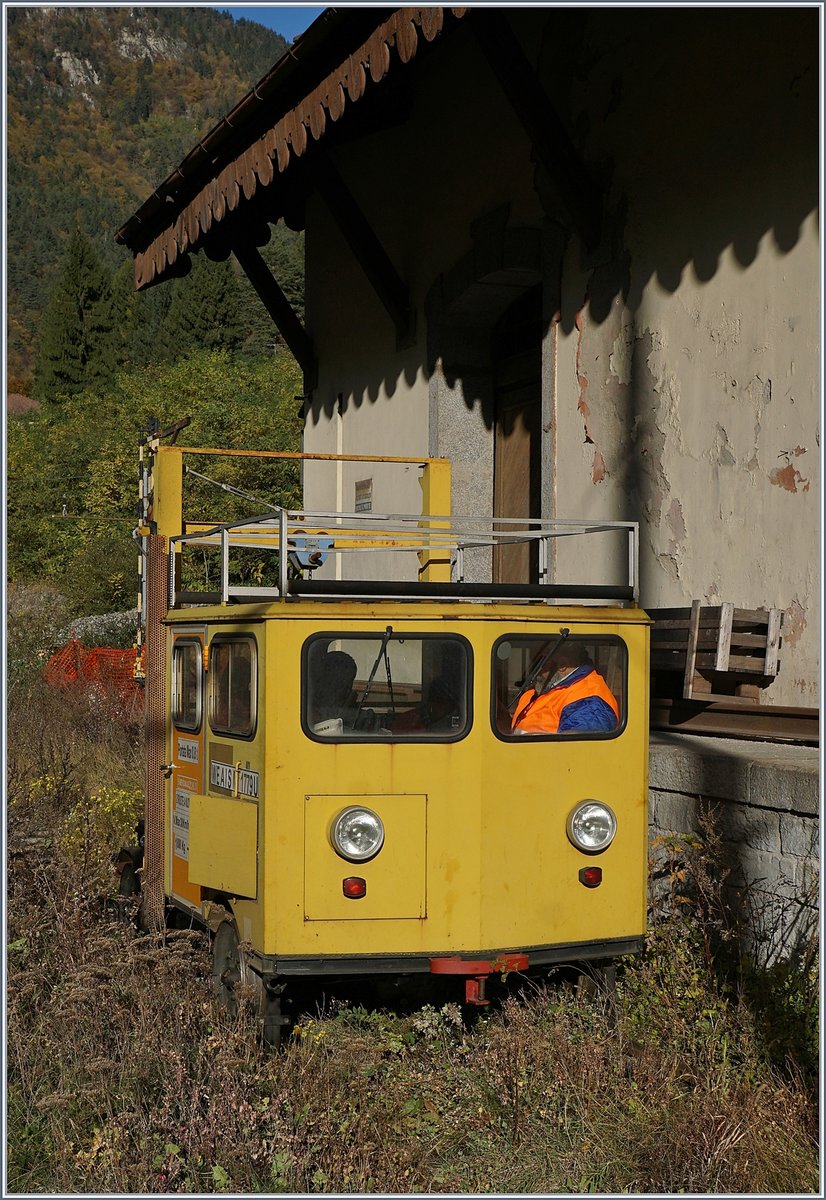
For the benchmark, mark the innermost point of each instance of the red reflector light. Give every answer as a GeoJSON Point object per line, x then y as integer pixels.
{"type": "Point", "coordinates": [354, 887]}
{"type": "Point", "coordinates": [591, 876]}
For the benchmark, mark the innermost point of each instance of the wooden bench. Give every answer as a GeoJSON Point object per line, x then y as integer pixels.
{"type": "Point", "coordinates": [719, 652]}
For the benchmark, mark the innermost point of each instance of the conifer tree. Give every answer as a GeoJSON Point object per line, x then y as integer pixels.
{"type": "Point", "coordinates": [75, 350]}
{"type": "Point", "coordinates": [127, 315]}
{"type": "Point", "coordinates": [204, 313]}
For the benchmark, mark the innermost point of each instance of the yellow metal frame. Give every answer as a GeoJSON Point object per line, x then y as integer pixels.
{"type": "Point", "coordinates": [166, 490]}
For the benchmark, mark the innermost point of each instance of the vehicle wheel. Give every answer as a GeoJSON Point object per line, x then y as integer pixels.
{"type": "Point", "coordinates": [226, 965]}
{"type": "Point", "coordinates": [274, 1021]}
{"type": "Point", "coordinates": [229, 969]}
{"type": "Point", "coordinates": [596, 978]}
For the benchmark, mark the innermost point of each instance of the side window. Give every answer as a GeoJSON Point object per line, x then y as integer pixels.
{"type": "Point", "coordinates": [386, 686]}
{"type": "Point", "coordinates": [233, 681]}
{"type": "Point", "coordinates": [186, 685]}
{"type": "Point", "coordinates": [559, 687]}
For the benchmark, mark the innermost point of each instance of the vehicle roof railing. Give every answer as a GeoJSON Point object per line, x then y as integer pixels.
{"type": "Point", "coordinates": [315, 539]}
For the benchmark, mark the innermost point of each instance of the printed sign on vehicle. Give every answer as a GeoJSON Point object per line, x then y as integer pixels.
{"type": "Point", "coordinates": [248, 783]}
{"type": "Point", "coordinates": [223, 776]}
{"type": "Point", "coordinates": [188, 750]}
{"type": "Point", "coordinates": [180, 823]}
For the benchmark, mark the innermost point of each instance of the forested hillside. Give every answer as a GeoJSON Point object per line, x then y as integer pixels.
{"type": "Point", "coordinates": [103, 103]}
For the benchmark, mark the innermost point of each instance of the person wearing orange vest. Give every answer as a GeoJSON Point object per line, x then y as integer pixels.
{"type": "Point", "coordinates": [575, 699]}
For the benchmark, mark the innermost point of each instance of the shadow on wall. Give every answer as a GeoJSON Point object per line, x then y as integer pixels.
{"type": "Point", "coordinates": [750, 825]}
{"type": "Point", "coordinates": [700, 126]}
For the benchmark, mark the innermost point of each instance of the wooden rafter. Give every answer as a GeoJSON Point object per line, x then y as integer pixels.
{"type": "Point", "coordinates": [279, 308]}
{"type": "Point", "coordinates": [362, 240]}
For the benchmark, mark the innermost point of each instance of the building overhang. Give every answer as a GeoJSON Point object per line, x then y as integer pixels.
{"type": "Point", "coordinates": [260, 144]}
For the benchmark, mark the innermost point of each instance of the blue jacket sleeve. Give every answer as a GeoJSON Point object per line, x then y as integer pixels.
{"type": "Point", "coordinates": [589, 713]}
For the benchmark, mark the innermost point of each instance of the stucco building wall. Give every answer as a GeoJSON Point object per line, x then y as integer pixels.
{"type": "Point", "coordinates": [680, 356]}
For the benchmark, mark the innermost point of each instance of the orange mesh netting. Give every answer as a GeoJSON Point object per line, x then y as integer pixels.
{"type": "Point", "coordinates": [111, 671]}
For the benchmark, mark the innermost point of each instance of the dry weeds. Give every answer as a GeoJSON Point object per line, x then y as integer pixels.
{"type": "Point", "coordinates": [124, 1076]}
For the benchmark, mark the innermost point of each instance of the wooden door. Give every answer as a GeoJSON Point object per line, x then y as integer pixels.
{"type": "Point", "coordinates": [517, 468]}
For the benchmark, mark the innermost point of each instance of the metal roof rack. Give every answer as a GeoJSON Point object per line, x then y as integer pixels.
{"type": "Point", "coordinates": [441, 544]}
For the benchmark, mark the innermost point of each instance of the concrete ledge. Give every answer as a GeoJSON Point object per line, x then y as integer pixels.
{"type": "Point", "coordinates": [762, 802]}
{"type": "Point", "coordinates": [760, 774]}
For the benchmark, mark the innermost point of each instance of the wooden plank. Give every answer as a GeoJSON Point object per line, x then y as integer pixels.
{"type": "Point", "coordinates": [691, 651]}
{"type": "Point", "coordinates": [773, 632]}
{"type": "Point", "coordinates": [757, 640]}
{"type": "Point", "coordinates": [678, 647]}
{"type": "Point", "coordinates": [680, 615]}
{"type": "Point", "coordinates": [751, 616]}
{"type": "Point", "coordinates": [729, 716]}
{"type": "Point", "coordinates": [723, 639]}
{"type": "Point", "coordinates": [709, 619]}
{"type": "Point", "coordinates": [738, 664]}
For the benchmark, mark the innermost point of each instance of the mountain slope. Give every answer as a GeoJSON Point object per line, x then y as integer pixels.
{"type": "Point", "coordinates": [102, 103]}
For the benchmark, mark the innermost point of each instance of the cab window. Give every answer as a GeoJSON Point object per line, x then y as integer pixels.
{"type": "Point", "coordinates": [232, 685]}
{"type": "Point", "coordinates": [186, 685]}
{"type": "Point", "coordinates": [386, 687]}
{"type": "Point", "coordinates": [559, 687]}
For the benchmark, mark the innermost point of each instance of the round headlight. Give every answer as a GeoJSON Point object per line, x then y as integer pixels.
{"type": "Point", "coordinates": [591, 826]}
{"type": "Point", "coordinates": [357, 834]}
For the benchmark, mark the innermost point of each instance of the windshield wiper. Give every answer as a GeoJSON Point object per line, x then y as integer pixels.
{"type": "Point", "coordinates": [386, 636]}
{"type": "Point", "coordinates": [532, 675]}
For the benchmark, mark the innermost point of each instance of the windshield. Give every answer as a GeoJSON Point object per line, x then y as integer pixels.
{"type": "Point", "coordinates": [388, 685]}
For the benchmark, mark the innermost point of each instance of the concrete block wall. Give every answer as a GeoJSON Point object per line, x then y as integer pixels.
{"type": "Point", "coordinates": [762, 802]}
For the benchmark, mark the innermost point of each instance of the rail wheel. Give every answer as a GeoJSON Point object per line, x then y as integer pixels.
{"type": "Point", "coordinates": [230, 969]}
{"type": "Point", "coordinates": [275, 1022]}
{"type": "Point", "coordinates": [226, 965]}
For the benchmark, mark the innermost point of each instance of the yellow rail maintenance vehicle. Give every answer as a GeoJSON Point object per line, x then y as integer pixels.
{"type": "Point", "coordinates": [412, 776]}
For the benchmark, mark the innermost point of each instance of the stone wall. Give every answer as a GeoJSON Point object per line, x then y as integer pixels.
{"type": "Point", "coordinates": [761, 800]}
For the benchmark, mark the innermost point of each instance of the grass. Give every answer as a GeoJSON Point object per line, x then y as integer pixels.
{"type": "Point", "coordinates": [124, 1075]}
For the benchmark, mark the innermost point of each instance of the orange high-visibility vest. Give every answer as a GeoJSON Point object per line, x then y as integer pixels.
{"type": "Point", "coordinates": [546, 710]}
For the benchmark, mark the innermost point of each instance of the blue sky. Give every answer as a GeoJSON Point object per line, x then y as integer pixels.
{"type": "Point", "coordinates": [288, 20]}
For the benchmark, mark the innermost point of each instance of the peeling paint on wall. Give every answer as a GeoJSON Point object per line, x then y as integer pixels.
{"type": "Point", "coordinates": [598, 473]}
{"type": "Point", "coordinates": [676, 524]}
{"type": "Point", "coordinates": [725, 335]}
{"type": "Point", "coordinates": [582, 380]}
{"type": "Point", "coordinates": [676, 521]}
{"type": "Point", "coordinates": [713, 594]}
{"type": "Point", "coordinates": [788, 477]}
{"type": "Point", "coordinates": [722, 449]}
{"type": "Point", "coordinates": [794, 623]}
{"type": "Point", "coordinates": [622, 352]}
{"type": "Point", "coordinates": [669, 565]}
{"type": "Point", "coordinates": [598, 469]}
